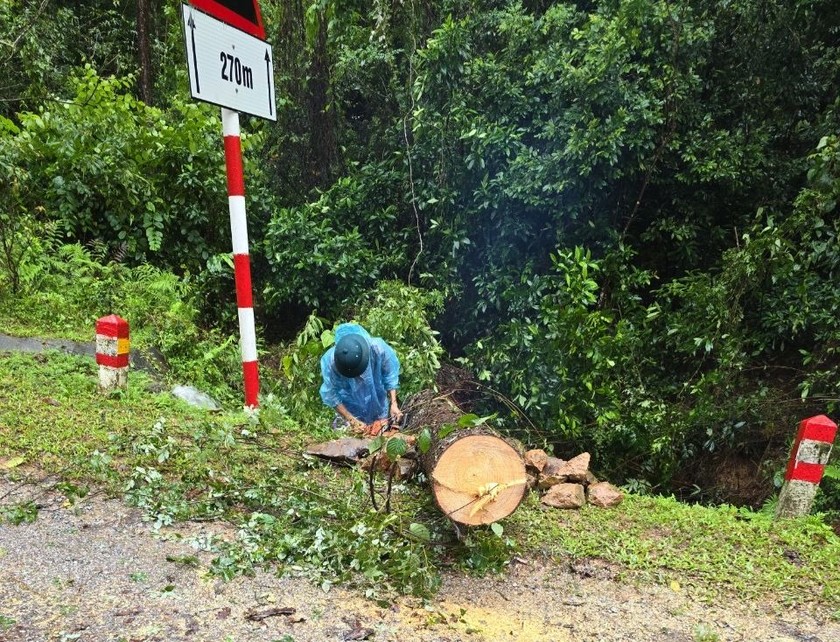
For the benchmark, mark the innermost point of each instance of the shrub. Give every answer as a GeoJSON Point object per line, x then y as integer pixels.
{"type": "Point", "coordinates": [724, 359]}
{"type": "Point", "coordinates": [104, 166]}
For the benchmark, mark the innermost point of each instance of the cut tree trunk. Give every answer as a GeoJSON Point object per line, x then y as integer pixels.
{"type": "Point", "coordinates": [476, 475]}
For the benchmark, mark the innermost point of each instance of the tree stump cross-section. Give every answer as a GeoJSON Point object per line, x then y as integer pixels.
{"type": "Point", "coordinates": [476, 475]}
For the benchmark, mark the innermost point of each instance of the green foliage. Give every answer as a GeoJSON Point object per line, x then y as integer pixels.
{"type": "Point", "coordinates": [546, 124]}
{"type": "Point", "coordinates": [711, 551]}
{"type": "Point", "coordinates": [827, 501]}
{"type": "Point", "coordinates": [49, 396]}
{"type": "Point", "coordinates": [605, 195]}
{"type": "Point", "coordinates": [17, 244]}
{"type": "Point", "coordinates": [302, 373]}
{"type": "Point", "coordinates": [309, 518]}
{"type": "Point", "coordinates": [104, 166]}
{"type": "Point", "coordinates": [424, 441]}
{"type": "Point", "coordinates": [552, 354]}
{"type": "Point", "coordinates": [402, 315]}
{"type": "Point", "coordinates": [608, 195]}
{"type": "Point", "coordinates": [72, 491]}
{"type": "Point", "coordinates": [63, 290]}
{"type": "Point", "coordinates": [335, 542]}
{"type": "Point", "coordinates": [20, 513]}
{"type": "Point", "coordinates": [486, 551]}
{"type": "Point", "coordinates": [652, 386]}
{"type": "Point", "coordinates": [285, 515]}
{"type": "Point", "coordinates": [554, 131]}
{"type": "Point", "coordinates": [42, 45]}
{"type": "Point", "coordinates": [331, 250]}
{"type": "Point", "coordinates": [703, 633]}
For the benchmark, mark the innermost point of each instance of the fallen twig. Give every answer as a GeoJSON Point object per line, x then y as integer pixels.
{"type": "Point", "coordinates": [259, 616]}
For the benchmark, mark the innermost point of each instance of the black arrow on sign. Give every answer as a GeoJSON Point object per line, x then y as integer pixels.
{"type": "Point", "coordinates": [191, 24]}
{"type": "Point", "coordinates": [268, 76]}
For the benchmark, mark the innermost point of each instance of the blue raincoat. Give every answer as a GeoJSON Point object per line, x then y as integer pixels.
{"type": "Point", "coordinates": [365, 396]}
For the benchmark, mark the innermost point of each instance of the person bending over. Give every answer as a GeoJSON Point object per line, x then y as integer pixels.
{"type": "Point", "coordinates": [360, 376]}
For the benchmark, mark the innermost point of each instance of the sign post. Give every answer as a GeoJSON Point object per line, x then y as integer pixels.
{"type": "Point", "coordinates": [228, 67]}
{"type": "Point", "coordinates": [231, 65]}
{"type": "Point", "coordinates": [808, 458]}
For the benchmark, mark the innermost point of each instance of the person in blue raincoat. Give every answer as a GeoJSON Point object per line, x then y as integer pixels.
{"type": "Point", "coordinates": [360, 376]}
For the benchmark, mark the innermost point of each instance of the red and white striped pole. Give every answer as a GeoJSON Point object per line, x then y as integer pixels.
{"type": "Point", "coordinates": [241, 259]}
{"type": "Point", "coordinates": [808, 457]}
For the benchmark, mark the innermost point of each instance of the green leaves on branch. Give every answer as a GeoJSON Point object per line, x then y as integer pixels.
{"type": "Point", "coordinates": [687, 369]}
{"type": "Point", "coordinates": [147, 183]}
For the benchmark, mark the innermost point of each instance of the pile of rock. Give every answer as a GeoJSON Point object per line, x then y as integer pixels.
{"type": "Point", "coordinates": [568, 484]}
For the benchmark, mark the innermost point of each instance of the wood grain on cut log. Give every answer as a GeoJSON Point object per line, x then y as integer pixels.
{"type": "Point", "coordinates": [476, 476]}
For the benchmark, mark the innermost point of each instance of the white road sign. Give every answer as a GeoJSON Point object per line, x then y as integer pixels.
{"type": "Point", "coordinates": [228, 67]}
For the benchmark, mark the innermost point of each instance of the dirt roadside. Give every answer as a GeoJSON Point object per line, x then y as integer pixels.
{"type": "Point", "coordinates": [96, 572]}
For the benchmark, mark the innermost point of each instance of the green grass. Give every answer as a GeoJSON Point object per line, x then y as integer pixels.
{"type": "Point", "coordinates": [6, 622]}
{"type": "Point", "coordinates": [20, 317]}
{"type": "Point", "coordinates": [52, 411]}
{"type": "Point", "coordinates": [176, 462]}
{"type": "Point", "coordinates": [723, 549]}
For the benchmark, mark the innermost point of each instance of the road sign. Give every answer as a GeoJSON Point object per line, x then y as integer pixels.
{"type": "Point", "coordinates": [242, 14]}
{"type": "Point", "coordinates": [228, 67]}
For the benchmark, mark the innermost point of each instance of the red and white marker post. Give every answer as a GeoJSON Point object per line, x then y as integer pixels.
{"type": "Point", "coordinates": [808, 458]}
{"type": "Point", "coordinates": [112, 349]}
{"type": "Point", "coordinates": [241, 258]}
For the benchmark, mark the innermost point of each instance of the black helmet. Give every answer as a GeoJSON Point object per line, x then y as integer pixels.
{"type": "Point", "coordinates": [352, 354]}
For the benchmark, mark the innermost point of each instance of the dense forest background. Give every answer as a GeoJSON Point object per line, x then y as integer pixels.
{"type": "Point", "coordinates": [619, 215]}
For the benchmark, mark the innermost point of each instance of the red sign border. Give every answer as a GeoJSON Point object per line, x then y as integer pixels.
{"type": "Point", "coordinates": [227, 16]}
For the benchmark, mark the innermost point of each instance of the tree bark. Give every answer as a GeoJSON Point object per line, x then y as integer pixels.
{"type": "Point", "coordinates": [321, 114]}
{"type": "Point", "coordinates": [144, 51]}
{"type": "Point", "coordinates": [476, 475]}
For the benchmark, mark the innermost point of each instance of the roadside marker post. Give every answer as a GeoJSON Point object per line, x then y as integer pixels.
{"type": "Point", "coordinates": [808, 458]}
{"type": "Point", "coordinates": [231, 65]}
{"type": "Point", "coordinates": [112, 348]}
{"type": "Point", "coordinates": [241, 257]}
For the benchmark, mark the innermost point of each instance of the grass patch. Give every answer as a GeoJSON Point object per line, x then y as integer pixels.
{"type": "Point", "coordinates": [717, 549]}
{"type": "Point", "coordinates": [310, 518]}
{"type": "Point", "coordinates": [52, 412]}
{"type": "Point", "coordinates": [17, 319]}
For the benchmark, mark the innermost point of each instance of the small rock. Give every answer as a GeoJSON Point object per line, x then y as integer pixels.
{"type": "Point", "coordinates": [590, 479]}
{"type": "Point", "coordinates": [535, 460]}
{"type": "Point", "coordinates": [565, 496]}
{"type": "Point", "coordinates": [532, 481]}
{"type": "Point", "coordinates": [604, 495]}
{"type": "Point", "coordinates": [551, 474]}
{"type": "Point", "coordinates": [576, 468]}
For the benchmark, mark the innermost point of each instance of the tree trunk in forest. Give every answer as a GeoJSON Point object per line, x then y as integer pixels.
{"type": "Point", "coordinates": [321, 116]}
{"type": "Point", "coordinates": [144, 51]}
{"type": "Point", "coordinates": [476, 476]}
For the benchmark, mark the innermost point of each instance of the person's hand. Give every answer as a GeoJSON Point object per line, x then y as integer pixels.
{"type": "Point", "coordinates": [396, 413]}
{"type": "Point", "coordinates": [357, 426]}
